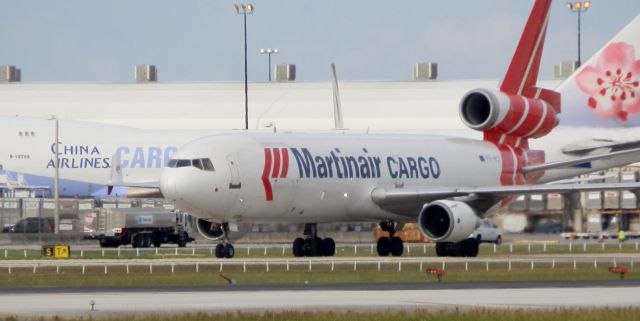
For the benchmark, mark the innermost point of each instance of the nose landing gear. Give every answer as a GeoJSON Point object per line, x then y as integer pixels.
{"type": "Point", "coordinates": [225, 249]}
{"type": "Point", "coordinates": [312, 245]}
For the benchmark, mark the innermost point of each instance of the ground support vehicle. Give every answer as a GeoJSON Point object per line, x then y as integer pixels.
{"type": "Point", "coordinates": [143, 227]}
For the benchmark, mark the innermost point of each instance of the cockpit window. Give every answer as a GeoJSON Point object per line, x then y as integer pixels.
{"type": "Point", "coordinates": [183, 163]}
{"type": "Point", "coordinates": [197, 163]}
{"type": "Point", "coordinates": [207, 165]}
{"type": "Point", "coordinates": [203, 164]}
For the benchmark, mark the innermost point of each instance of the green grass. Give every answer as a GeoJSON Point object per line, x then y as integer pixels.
{"type": "Point", "coordinates": [415, 250]}
{"type": "Point", "coordinates": [609, 314]}
{"type": "Point", "coordinates": [321, 273]}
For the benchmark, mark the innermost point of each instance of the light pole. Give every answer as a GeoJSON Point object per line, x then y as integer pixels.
{"type": "Point", "coordinates": [269, 52]}
{"type": "Point", "coordinates": [56, 179]}
{"type": "Point", "coordinates": [579, 7]}
{"type": "Point", "coordinates": [244, 10]}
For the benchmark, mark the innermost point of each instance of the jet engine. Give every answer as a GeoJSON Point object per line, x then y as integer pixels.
{"type": "Point", "coordinates": [483, 109]}
{"type": "Point", "coordinates": [210, 230]}
{"type": "Point", "coordinates": [447, 221]}
{"type": "Point", "coordinates": [214, 231]}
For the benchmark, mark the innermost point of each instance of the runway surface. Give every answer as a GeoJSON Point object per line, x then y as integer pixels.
{"type": "Point", "coordinates": [365, 297]}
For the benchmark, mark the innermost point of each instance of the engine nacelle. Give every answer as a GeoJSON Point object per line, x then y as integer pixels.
{"type": "Point", "coordinates": [210, 230]}
{"type": "Point", "coordinates": [447, 221]}
{"type": "Point", "coordinates": [483, 109]}
{"type": "Point", "coordinates": [214, 231]}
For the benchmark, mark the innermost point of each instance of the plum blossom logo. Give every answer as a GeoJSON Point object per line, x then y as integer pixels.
{"type": "Point", "coordinates": [612, 84]}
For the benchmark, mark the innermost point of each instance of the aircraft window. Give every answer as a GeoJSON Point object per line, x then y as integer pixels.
{"type": "Point", "coordinates": [183, 163]}
{"type": "Point", "coordinates": [33, 134]}
{"type": "Point", "coordinates": [172, 163]}
{"type": "Point", "coordinates": [197, 163]}
{"type": "Point", "coordinates": [20, 133]}
{"type": "Point", "coordinates": [207, 165]}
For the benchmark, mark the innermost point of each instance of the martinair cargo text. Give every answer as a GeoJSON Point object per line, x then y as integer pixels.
{"type": "Point", "coordinates": [446, 184]}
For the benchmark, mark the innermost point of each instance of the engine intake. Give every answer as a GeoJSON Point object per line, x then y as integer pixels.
{"type": "Point", "coordinates": [447, 221]}
{"type": "Point", "coordinates": [210, 230]}
{"type": "Point", "coordinates": [483, 109]}
{"type": "Point", "coordinates": [214, 231]}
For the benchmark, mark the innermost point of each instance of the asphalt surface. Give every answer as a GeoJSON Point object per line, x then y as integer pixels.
{"type": "Point", "coordinates": [332, 287]}
{"type": "Point", "coordinates": [36, 302]}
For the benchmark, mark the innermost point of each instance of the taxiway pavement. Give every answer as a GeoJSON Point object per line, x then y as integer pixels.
{"type": "Point", "coordinates": [35, 302]}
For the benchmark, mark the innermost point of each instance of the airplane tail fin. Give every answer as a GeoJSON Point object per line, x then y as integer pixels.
{"type": "Point", "coordinates": [605, 90]}
{"type": "Point", "coordinates": [115, 178]}
{"type": "Point", "coordinates": [520, 110]}
{"type": "Point", "coordinates": [522, 75]}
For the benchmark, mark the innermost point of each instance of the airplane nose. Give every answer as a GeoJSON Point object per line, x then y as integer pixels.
{"type": "Point", "coordinates": [168, 184]}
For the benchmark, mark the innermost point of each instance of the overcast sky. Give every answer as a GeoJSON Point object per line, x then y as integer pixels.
{"type": "Point", "coordinates": [201, 40]}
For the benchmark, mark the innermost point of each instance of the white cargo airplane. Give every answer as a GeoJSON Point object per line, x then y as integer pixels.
{"type": "Point", "coordinates": [446, 184]}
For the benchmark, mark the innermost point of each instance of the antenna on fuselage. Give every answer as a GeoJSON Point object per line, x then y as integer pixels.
{"type": "Point", "coordinates": [337, 108]}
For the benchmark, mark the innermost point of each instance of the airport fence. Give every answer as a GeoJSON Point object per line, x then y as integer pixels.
{"type": "Point", "coordinates": [320, 265]}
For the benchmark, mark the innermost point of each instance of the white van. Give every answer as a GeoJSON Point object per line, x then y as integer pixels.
{"type": "Point", "coordinates": [487, 232]}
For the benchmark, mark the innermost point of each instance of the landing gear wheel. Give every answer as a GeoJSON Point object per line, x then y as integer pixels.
{"type": "Point", "coordinates": [460, 249]}
{"type": "Point", "coordinates": [157, 243]}
{"type": "Point", "coordinates": [219, 251]}
{"type": "Point", "coordinates": [314, 247]}
{"type": "Point", "coordinates": [383, 246]}
{"type": "Point", "coordinates": [441, 249]}
{"type": "Point", "coordinates": [473, 247]}
{"type": "Point", "coordinates": [499, 240]}
{"type": "Point", "coordinates": [228, 251]}
{"type": "Point", "coordinates": [298, 247]}
{"type": "Point", "coordinates": [329, 247]}
{"type": "Point", "coordinates": [183, 239]}
{"type": "Point", "coordinates": [396, 246]}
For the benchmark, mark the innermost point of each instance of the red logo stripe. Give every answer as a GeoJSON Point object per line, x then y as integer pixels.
{"type": "Point", "coordinates": [265, 174]}
{"type": "Point", "coordinates": [276, 163]}
{"type": "Point", "coordinates": [285, 163]}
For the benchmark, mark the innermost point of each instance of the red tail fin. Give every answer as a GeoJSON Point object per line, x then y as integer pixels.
{"type": "Point", "coordinates": [522, 74]}
{"type": "Point", "coordinates": [531, 109]}
{"type": "Point", "coordinates": [523, 71]}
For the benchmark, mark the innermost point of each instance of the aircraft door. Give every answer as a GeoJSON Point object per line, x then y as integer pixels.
{"type": "Point", "coordinates": [234, 167]}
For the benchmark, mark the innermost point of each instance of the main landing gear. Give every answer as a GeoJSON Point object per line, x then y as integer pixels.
{"type": "Point", "coordinates": [389, 245]}
{"type": "Point", "coordinates": [225, 249]}
{"type": "Point", "coordinates": [312, 245]}
{"type": "Point", "coordinates": [469, 248]}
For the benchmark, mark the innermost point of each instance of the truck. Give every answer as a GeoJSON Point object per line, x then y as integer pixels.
{"type": "Point", "coordinates": [142, 227]}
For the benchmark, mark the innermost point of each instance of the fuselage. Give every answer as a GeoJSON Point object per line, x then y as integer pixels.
{"type": "Point", "coordinates": [329, 177]}
{"type": "Point", "coordinates": [85, 153]}
{"type": "Point", "coordinates": [318, 177]}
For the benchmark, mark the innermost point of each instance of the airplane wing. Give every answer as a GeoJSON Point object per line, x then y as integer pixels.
{"type": "Point", "coordinates": [115, 178]}
{"type": "Point", "coordinates": [407, 199]}
{"type": "Point", "coordinates": [599, 145]}
{"type": "Point", "coordinates": [584, 162]}
{"type": "Point", "coordinates": [148, 185]}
